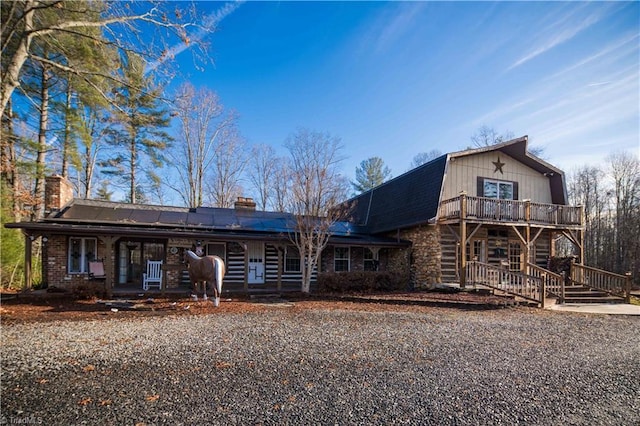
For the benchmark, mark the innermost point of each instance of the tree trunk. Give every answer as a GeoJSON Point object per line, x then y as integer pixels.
{"type": "Point", "coordinates": [67, 132]}
{"type": "Point", "coordinates": [11, 78]}
{"type": "Point", "coordinates": [38, 210]}
{"type": "Point", "coordinates": [8, 162]}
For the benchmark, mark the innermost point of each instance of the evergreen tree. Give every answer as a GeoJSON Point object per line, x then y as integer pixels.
{"type": "Point", "coordinates": [371, 173]}
{"type": "Point", "coordinates": [138, 134]}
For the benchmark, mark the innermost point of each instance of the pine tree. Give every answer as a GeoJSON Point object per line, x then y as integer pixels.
{"type": "Point", "coordinates": [371, 173]}
{"type": "Point", "coordinates": [138, 134]}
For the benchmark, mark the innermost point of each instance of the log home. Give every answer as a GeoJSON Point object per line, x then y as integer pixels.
{"type": "Point", "coordinates": [490, 216]}
{"type": "Point", "coordinates": [498, 205]}
{"type": "Point", "coordinates": [124, 238]}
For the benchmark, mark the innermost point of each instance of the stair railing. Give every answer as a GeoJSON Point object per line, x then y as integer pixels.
{"type": "Point", "coordinates": [614, 284]}
{"type": "Point", "coordinates": [516, 283]}
{"type": "Point", "coordinates": [553, 282]}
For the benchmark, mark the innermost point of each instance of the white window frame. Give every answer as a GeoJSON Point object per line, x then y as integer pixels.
{"type": "Point", "coordinates": [477, 250]}
{"type": "Point", "coordinates": [498, 184]}
{"type": "Point", "coordinates": [368, 259]}
{"type": "Point", "coordinates": [84, 261]}
{"type": "Point", "coordinates": [347, 258]}
{"type": "Point", "coordinates": [292, 250]}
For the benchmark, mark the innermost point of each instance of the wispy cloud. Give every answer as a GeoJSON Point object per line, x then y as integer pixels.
{"type": "Point", "coordinates": [566, 29]}
{"type": "Point", "coordinates": [396, 26]}
{"type": "Point", "coordinates": [210, 21]}
{"type": "Point", "coordinates": [624, 46]}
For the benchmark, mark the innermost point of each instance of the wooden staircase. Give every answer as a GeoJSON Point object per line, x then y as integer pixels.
{"type": "Point", "coordinates": [584, 294]}
{"type": "Point", "coordinates": [583, 284]}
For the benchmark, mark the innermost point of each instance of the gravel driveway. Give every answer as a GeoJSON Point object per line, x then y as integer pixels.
{"type": "Point", "coordinates": [319, 366]}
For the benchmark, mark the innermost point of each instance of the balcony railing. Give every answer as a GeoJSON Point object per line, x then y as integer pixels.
{"type": "Point", "coordinates": [495, 210]}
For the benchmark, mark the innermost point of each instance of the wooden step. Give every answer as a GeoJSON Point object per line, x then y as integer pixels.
{"type": "Point", "coordinates": [599, 299]}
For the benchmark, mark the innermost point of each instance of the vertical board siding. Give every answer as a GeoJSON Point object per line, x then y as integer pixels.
{"type": "Point", "coordinates": [463, 174]}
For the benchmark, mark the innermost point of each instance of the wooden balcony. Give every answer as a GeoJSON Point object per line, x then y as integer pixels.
{"type": "Point", "coordinates": [509, 212]}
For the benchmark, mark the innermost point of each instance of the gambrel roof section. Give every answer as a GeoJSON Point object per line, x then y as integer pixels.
{"type": "Point", "coordinates": [407, 200]}
{"type": "Point", "coordinates": [413, 198]}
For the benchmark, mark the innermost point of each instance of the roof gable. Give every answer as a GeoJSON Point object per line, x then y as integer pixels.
{"type": "Point", "coordinates": [517, 149]}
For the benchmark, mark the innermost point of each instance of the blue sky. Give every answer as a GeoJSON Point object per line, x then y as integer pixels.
{"type": "Point", "coordinates": [396, 79]}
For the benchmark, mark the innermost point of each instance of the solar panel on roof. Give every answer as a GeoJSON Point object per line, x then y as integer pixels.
{"type": "Point", "coordinates": [176, 218]}
{"type": "Point", "coordinates": [82, 212]}
{"type": "Point", "coordinates": [199, 219]}
{"type": "Point", "coordinates": [144, 216]}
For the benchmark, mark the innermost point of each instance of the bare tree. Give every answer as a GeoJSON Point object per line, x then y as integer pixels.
{"type": "Point", "coordinates": [486, 136]}
{"type": "Point", "coordinates": [282, 184]}
{"type": "Point", "coordinates": [202, 126]}
{"type": "Point", "coordinates": [230, 161]}
{"type": "Point", "coordinates": [611, 202]}
{"type": "Point", "coordinates": [424, 157]}
{"type": "Point", "coordinates": [316, 187]}
{"type": "Point", "coordinates": [586, 189]}
{"type": "Point", "coordinates": [624, 169]}
{"type": "Point", "coordinates": [262, 173]}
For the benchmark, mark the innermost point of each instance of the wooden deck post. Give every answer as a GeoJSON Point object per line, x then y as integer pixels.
{"type": "Point", "coordinates": [543, 289]}
{"type": "Point", "coordinates": [28, 239]}
{"type": "Point", "coordinates": [627, 290]}
{"type": "Point", "coordinates": [463, 239]}
{"type": "Point", "coordinates": [281, 251]}
{"type": "Point", "coordinates": [109, 269]}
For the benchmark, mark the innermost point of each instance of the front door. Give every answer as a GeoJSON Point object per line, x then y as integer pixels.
{"type": "Point", "coordinates": [515, 255]}
{"type": "Point", "coordinates": [132, 259]}
{"type": "Point", "coordinates": [255, 253]}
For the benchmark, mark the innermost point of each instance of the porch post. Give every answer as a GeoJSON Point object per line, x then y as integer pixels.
{"type": "Point", "coordinates": [463, 239]}
{"type": "Point", "coordinates": [280, 249]}
{"type": "Point", "coordinates": [246, 267]}
{"type": "Point", "coordinates": [527, 249]}
{"type": "Point", "coordinates": [28, 238]}
{"type": "Point", "coordinates": [108, 264]}
{"type": "Point", "coordinates": [581, 234]}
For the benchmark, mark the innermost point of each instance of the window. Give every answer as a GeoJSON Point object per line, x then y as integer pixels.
{"type": "Point", "coordinates": [498, 189]}
{"type": "Point", "coordinates": [341, 259]}
{"type": "Point", "coordinates": [370, 264]}
{"type": "Point", "coordinates": [477, 250]}
{"type": "Point", "coordinates": [81, 252]}
{"type": "Point", "coordinates": [291, 260]}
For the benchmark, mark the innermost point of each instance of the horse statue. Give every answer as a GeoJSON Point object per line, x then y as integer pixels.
{"type": "Point", "coordinates": [206, 270]}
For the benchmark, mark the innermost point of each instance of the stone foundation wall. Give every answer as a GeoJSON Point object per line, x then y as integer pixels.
{"type": "Point", "coordinates": [425, 255]}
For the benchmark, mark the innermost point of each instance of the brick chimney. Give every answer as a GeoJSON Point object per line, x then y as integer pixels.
{"type": "Point", "coordinates": [58, 192]}
{"type": "Point", "coordinates": [243, 203]}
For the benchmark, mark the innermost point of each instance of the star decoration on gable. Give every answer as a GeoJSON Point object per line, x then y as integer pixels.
{"type": "Point", "coordinates": [499, 166]}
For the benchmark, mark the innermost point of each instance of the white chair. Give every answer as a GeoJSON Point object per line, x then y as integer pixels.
{"type": "Point", "coordinates": [153, 276]}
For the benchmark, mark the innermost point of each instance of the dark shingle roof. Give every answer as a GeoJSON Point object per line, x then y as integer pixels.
{"type": "Point", "coordinates": [404, 201]}
{"type": "Point", "coordinates": [104, 217]}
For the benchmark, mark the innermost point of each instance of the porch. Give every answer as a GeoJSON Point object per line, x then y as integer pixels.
{"type": "Point", "coordinates": [497, 211]}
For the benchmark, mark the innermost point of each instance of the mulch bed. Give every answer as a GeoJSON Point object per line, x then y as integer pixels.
{"type": "Point", "coordinates": [25, 307]}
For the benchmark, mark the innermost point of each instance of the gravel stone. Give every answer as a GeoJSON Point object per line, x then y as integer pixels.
{"type": "Point", "coordinates": [317, 366]}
